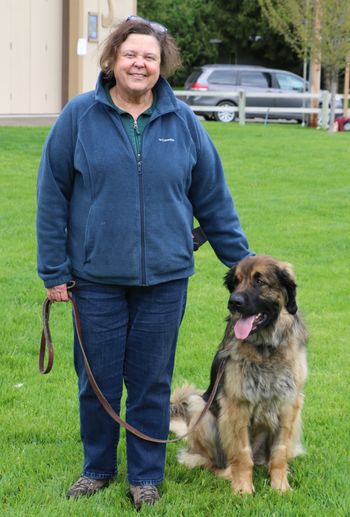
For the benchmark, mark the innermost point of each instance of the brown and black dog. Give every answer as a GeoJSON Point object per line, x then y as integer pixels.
{"type": "Point", "coordinates": [256, 414]}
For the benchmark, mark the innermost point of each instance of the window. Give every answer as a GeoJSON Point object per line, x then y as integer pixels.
{"type": "Point", "coordinates": [223, 77]}
{"type": "Point", "coordinates": [92, 27]}
{"type": "Point", "coordinates": [289, 82]}
{"type": "Point", "coordinates": [255, 79]}
{"type": "Point", "coordinates": [194, 76]}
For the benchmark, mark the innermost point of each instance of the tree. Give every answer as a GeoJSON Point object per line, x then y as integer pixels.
{"type": "Point", "coordinates": [248, 39]}
{"type": "Point", "coordinates": [293, 19]}
{"type": "Point", "coordinates": [245, 36]}
{"type": "Point", "coordinates": [191, 23]}
{"type": "Point", "coordinates": [335, 41]}
{"type": "Point", "coordinates": [319, 29]}
{"type": "Point", "coordinates": [298, 22]}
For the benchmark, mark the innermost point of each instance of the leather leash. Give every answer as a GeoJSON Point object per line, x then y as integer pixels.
{"type": "Point", "coordinates": [46, 343]}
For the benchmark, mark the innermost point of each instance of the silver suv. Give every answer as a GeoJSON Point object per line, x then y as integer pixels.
{"type": "Point", "coordinates": [251, 79]}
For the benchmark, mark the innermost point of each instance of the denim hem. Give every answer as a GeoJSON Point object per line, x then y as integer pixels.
{"type": "Point", "coordinates": [143, 482]}
{"type": "Point", "coordinates": [94, 475]}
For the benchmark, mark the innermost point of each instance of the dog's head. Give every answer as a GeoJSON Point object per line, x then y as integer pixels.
{"type": "Point", "coordinates": [261, 287]}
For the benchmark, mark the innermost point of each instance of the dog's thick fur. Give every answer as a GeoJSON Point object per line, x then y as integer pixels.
{"type": "Point", "coordinates": [256, 414]}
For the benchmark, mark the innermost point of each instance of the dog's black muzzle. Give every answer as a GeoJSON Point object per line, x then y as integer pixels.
{"type": "Point", "coordinates": [245, 302]}
{"type": "Point", "coordinates": [248, 302]}
{"type": "Point", "coordinates": [237, 302]}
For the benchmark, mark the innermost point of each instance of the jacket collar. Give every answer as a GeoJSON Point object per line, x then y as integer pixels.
{"type": "Point", "coordinates": [166, 100]}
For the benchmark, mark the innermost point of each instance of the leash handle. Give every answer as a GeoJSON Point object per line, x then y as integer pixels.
{"type": "Point", "coordinates": [46, 342]}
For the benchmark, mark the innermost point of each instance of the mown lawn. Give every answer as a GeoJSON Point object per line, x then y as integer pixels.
{"type": "Point", "coordinates": [292, 190]}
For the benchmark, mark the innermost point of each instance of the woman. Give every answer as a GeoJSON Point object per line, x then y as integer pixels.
{"type": "Point", "coordinates": [124, 171]}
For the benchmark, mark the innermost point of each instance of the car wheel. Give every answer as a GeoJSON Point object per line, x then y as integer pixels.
{"type": "Point", "coordinates": [225, 116]}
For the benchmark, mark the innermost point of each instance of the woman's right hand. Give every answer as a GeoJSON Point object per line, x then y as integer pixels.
{"type": "Point", "coordinates": [58, 293]}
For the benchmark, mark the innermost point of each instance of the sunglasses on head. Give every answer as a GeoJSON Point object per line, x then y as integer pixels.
{"type": "Point", "coordinates": [157, 27]}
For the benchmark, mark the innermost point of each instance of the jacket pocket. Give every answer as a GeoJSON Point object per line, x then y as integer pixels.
{"type": "Point", "coordinates": [110, 249]}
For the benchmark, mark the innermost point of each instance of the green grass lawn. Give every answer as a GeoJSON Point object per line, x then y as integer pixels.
{"type": "Point", "coordinates": [292, 189]}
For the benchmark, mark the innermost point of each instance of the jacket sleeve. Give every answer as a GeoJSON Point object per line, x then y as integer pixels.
{"type": "Point", "coordinates": [54, 186]}
{"type": "Point", "coordinates": [213, 204]}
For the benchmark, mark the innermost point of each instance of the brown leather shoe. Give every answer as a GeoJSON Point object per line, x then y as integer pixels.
{"type": "Point", "coordinates": [85, 487]}
{"type": "Point", "coordinates": [143, 494]}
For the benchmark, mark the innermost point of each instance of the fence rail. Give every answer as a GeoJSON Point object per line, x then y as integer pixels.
{"type": "Point", "coordinates": [242, 109]}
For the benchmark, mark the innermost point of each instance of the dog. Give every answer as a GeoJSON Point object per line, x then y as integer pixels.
{"type": "Point", "coordinates": [255, 418]}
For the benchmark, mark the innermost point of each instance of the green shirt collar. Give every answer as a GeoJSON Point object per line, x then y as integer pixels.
{"type": "Point", "coordinates": [148, 112]}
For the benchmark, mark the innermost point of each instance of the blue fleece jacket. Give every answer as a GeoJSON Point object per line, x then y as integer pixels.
{"type": "Point", "coordinates": [110, 216]}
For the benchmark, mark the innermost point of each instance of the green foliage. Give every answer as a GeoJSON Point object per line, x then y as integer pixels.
{"type": "Point", "coordinates": [295, 21]}
{"type": "Point", "coordinates": [239, 24]}
{"type": "Point", "coordinates": [291, 187]}
{"type": "Point", "coordinates": [335, 33]}
{"type": "Point", "coordinates": [191, 24]}
{"type": "Point", "coordinates": [244, 31]}
{"type": "Point", "coordinates": [317, 30]}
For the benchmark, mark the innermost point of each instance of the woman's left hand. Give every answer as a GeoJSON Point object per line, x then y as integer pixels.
{"type": "Point", "coordinates": [58, 293]}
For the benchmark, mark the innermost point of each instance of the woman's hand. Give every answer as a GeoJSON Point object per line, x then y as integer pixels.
{"type": "Point", "coordinates": [58, 293]}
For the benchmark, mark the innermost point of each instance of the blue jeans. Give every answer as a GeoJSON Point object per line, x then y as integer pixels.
{"type": "Point", "coordinates": [130, 335]}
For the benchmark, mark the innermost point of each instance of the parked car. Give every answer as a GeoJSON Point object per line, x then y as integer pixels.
{"type": "Point", "coordinates": [250, 78]}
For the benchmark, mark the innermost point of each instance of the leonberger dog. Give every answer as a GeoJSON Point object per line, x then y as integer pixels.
{"type": "Point", "coordinates": [255, 418]}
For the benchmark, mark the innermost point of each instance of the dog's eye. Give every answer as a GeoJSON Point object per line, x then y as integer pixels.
{"type": "Point", "coordinates": [258, 280]}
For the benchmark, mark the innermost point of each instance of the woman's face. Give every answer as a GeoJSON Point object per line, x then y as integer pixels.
{"type": "Point", "coordinates": [137, 65]}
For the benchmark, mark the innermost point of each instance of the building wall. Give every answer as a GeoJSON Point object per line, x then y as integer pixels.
{"type": "Point", "coordinates": [40, 67]}
{"type": "Point", "coordinates": [30, 56]}
{"type": "Point", "coordinates": [83, 69]}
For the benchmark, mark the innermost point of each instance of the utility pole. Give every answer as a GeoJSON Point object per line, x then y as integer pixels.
{"type": "Point", "coordinates": [315, 64]}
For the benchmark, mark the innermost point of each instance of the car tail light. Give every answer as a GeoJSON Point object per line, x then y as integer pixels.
{"type": "Point", "coordinates": [198, 86]}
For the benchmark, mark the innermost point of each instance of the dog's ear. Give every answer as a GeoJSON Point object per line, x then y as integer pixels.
{"type": "Point", "coordinates": [286, 277]}
{"type": "Point", "coordinates": [230, 279]}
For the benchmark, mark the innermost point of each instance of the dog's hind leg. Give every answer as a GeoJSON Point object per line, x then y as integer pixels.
{"type": "Point", "coordinates": [289, 425]}
{"type": "Point", "coordinates": [233, 426]}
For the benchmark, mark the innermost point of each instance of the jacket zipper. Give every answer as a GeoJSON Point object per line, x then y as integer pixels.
{"type": "Point", "coordinates": [142, 204]}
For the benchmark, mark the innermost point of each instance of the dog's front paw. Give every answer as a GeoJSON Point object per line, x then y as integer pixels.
{"type": "Point", "coordinates": [242, 488]}
{"type": "Point", "coordinates": [279, 480]}
{"type": "Point", "coordinates": [242, 483]}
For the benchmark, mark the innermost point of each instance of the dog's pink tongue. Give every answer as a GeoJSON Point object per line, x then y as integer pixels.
{"type": "Point", "coordinates": [243, 327]}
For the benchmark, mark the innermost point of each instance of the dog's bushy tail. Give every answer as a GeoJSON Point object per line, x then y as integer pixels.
{"type": "Point", "coordinates": [180, 401]}
{"type": "Point", "coordinates": [203, 444]}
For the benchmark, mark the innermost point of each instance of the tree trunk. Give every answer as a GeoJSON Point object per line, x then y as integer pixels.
{"type": "Point", "coordinates": [315, 65]}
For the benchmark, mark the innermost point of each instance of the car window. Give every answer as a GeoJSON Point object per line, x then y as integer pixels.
{"type": "Point", "coordinates": [223, 77]}
{"type": "Point", "coordinates": [258, 79]}
{"type": "Point", "coordinates": [289, 82]}
{"type": "Point", "coordinates": [194, 76]}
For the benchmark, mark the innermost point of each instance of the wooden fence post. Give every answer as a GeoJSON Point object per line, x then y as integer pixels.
{"type": "Point", "coordinates": [346, 86]}
{"type": "Point", "coordinates": [325, 108]}
{"type": "Point", "coordinates": [241, 107]}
